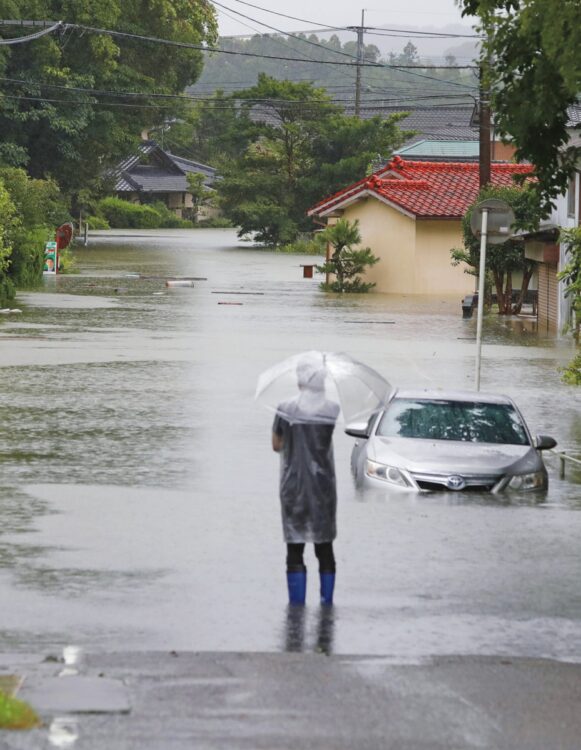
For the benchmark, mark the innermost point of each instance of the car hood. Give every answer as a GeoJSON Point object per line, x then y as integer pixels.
{"type": "Point", "coordinates": [447, 456]}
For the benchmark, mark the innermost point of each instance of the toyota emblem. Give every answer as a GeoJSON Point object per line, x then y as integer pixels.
{"type": "Point", "coordinates": [455, 482]}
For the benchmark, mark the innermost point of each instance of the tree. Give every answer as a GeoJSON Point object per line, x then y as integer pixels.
{"type": "Point", "coordinates": [502, 261]}
{"type": "Point", "coordinates": [35, 209]}
{"type": "Point", "coordinates": [60, 115]}
{"type": "Point", "coordinates": [346, 264]}
{"type": "Point", "coordinates": [534, 68]}
{"type": "Point", "coordinates": [571, 273]}
{"type": "Point", "coordinates": [201, 195]}
{"type": "Point", "coordinates": [8, 223]}
{"type": "Point", "coordinates": [299, 147]}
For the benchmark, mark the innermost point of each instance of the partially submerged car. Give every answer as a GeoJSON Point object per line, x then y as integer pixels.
{"type": "Point", "coordinates": [432, 440]}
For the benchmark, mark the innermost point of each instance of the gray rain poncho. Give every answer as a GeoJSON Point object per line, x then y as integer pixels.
{"type": "Point", "coordinates": [308, 492]}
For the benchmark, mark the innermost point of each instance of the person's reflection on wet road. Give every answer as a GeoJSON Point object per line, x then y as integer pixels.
{"type": "Point", "coordinates": [295, 629]}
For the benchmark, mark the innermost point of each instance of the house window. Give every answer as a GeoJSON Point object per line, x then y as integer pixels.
{"type": "Point", "coordinates": [571, 193]}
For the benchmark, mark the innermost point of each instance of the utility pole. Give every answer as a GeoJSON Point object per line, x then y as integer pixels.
{"type": "Point", "coordinates": [359, 30]}
{"type": "Point", "coordinates": [484, 127]}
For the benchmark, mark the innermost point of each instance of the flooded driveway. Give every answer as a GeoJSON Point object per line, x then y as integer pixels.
{"type": "Point", "coordinates": [138, 499]}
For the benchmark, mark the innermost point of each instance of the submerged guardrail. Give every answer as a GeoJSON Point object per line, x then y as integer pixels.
{"type": "Point", "coordinates": [563, 457]}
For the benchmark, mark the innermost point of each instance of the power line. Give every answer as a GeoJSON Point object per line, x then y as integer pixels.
{"type": "Point", "coordinates": [306, 108]}
{"type": "Point", "coordinates": [210, 99]}
{"type": "Point", "coordinates": [421, 34]}
{"type": "Point", "coordinates": [284, 15]}
{"type": "Point", "coordinates": [286, 33]}
{"type": "Point", "coordinates": [407, 69]}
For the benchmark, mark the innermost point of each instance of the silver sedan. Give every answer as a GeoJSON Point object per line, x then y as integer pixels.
{"type": "Point", "coordinates": [431, 440]}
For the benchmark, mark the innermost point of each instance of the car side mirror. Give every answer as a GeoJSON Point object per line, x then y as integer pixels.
{"type": "Point", "coordinates": [544, 442]}
{"type": "Point", "coordinates": [357, 430]}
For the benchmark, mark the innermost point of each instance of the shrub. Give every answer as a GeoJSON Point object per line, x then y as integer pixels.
{"type": "Point", "coordinates": [121, 214]}
{"type": "Point", "coordinates": [168, 219]}
{"type": "Point", "coordinates": [572, 373]}
{"type": "Point", "coordinates": [15, 714]}
{"type": "Point", "coordinates": [216, 222]}
{"type": "Point", "coordinates": [97, 222]}
{"type": "Point", "coordinates": [124, 215]}
{"type": "Point", "coordinates": [302, 247]}
{"type": "Point", "coordinates": [27, 259]}
{"type": "Point", "coordinates": [7, 291]}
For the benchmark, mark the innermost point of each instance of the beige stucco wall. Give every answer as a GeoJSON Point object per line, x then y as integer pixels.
{"type": "Point", "coordinates": [391, 236]}
{"type": "Point", "coordinates": [414, 255]}
{"type": "Point", "coordinates": [435, 273]}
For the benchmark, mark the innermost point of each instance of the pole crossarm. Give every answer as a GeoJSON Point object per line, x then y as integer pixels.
{"type": "Point", "coordinates": [30, 37]}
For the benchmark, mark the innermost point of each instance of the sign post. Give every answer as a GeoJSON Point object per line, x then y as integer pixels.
{"type": "Point", "coordinates": [51, 259]}
{"type": "Point", "coordinates": [491, 220]}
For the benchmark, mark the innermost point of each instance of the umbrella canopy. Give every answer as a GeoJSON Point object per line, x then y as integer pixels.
{"type": "Point", "coordinates": [320, 387]}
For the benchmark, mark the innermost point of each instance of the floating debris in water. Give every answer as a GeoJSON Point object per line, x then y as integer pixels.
{"type": "Point", "coordinates": [179, 282]}
{"type": "Point", "coordinates": [256, 294]}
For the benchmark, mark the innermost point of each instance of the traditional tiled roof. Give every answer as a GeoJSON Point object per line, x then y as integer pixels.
{"type": "Point", "coordinates": [435, 122]}
{"type": "Point", "coordinates": [166, 174]}
{"type": "Point", "coordinates": [422, 188]}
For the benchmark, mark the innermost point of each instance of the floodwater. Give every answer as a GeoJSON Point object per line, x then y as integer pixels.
{"type": "Point", "coordinates": [138, 498]}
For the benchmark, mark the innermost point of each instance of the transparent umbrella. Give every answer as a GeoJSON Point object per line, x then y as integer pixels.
{"type": "Point", "coordinates": [322, 387]}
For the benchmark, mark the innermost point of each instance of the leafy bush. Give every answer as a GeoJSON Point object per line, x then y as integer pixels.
{"type": "Point", "coordinates": [7, 290]}
{"type": "Point", "coordinates": [168, 219]}
{"type": "Point", "coordinates": [30, 212]}
{"type": "Point", "coordinates": [217, 222]}
{"type": "Point", "coordinates": [572, 373]}
{"type": "Point", "coordinates": [27, 259]}
{"type": "Point", "coordinates": [15, 714]}
{"type": "Point", "coordinates": [9, 225]}
{"type": "Point", "coordinates": [302, 247]}
{"type": "Point", "coordinates": [97, 222]}
{"type": "Point", "coordinates": [121, 214]}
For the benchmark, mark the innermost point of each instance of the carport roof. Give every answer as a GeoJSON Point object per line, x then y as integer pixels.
{"type": "Point", "coordinates": [422, 189]}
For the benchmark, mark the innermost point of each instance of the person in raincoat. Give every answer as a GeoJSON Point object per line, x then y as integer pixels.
{"type": "Point", "coordinates": [308, 495]}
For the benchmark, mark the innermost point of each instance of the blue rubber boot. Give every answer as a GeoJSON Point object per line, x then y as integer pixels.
{"type": "Point", "coordinates": [297, 586]}
{"type": "Point", "coordinates": [327, 587]}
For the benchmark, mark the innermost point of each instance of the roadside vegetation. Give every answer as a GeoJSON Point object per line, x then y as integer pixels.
{"type": "Point", "coordinates": [16, 714]}
{"type": "Point", "coordinates": [571, 277]}
{"type": "Point", "coordinates": [61, 126]}
{"type": "Point", "coordinates": [532, 63]}
{"type": "Point", "coordinates": [347, 264]}
{"type": "Point", "coordinates": [30, 211]}
{"type": "Point", "coordinates": [121, 214]}
{"type": "Point", "coordinates": [502, 261]}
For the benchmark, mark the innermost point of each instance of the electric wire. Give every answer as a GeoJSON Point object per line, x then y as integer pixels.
{"type": "Point", "coordinates": [424, 34]}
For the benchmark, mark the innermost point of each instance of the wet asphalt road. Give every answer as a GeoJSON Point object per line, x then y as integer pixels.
{"type": "Point", "coordinates": [138, 496]}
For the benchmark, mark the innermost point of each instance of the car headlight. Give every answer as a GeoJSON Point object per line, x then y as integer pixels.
{"type": "Point", "coordinates": [534, 481]}
{"type": "Point", "coordinates": [387, 473]}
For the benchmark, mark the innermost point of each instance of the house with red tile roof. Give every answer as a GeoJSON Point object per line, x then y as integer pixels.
{"type": "Point", "coordinates": [410, 214]}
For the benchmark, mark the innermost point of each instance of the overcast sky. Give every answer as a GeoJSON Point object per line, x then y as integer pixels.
{"type": "Point", "coordinates": [424, 13]}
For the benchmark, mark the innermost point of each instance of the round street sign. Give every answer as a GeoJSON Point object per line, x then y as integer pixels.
{"type": "Point", "coordinates": [500, 221]}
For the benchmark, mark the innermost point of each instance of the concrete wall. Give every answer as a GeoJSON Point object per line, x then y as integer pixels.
{"type": "Point", "coordinates": [414, 255]}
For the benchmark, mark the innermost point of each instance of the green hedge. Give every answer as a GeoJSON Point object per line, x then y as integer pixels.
{"type": "Point", "coordinates": [97, 222]}
{"type": "Point", "coordinates": [121, 214]}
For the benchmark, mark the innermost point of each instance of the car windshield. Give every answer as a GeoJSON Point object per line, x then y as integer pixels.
{"type": "Point", "coordinates": [470, 421]}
